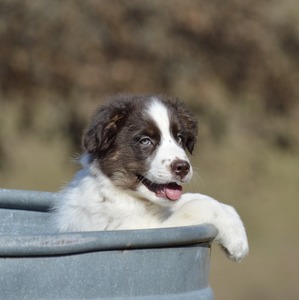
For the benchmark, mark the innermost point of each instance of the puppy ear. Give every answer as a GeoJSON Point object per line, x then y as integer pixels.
{"type": "Point", "coordinates": [190, 143]}
{"type": "Point", "coordinates": [103, 128]}
{"type": "Point", "coordinates": [189, 125]}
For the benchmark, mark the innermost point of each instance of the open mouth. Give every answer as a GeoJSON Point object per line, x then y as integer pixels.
{"type": "Point", "coordinates": [171, 191]}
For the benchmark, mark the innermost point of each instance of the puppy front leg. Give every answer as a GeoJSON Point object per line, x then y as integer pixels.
{"type": "Point", "coordinates": [196, 209]}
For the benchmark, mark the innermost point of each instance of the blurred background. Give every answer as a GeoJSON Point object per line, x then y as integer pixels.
{"type": "Point", "coordinates": [234, 63]}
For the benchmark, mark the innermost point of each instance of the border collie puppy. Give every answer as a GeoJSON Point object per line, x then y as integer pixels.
{"type": "Point", "coordinates": [134, 165]}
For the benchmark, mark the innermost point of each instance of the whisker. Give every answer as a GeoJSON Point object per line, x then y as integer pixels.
{"type": "Point", "coordinates": [197, 181]}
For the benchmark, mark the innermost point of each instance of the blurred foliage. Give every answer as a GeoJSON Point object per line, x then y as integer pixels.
{"type": "Point", "coordinates": [208, 53]}
{"type": "Point", "coordinates": [235, 64]}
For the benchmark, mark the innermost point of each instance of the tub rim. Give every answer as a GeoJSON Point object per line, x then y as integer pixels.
{"type": "Point", "coordinates": [12, 245]}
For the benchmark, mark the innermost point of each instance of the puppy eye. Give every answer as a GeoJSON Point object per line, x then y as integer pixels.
{"type": "Point", "coordinates": [180, 138]}
{"type": "Point", "coordinates": [145, 141]}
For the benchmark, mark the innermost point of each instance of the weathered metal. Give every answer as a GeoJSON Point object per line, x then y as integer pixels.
{"type": "Point", "coordinates": [38, 263]}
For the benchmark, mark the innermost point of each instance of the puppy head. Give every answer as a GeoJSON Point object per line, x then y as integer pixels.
{"type": "Point", "coordinates": [139, 142]}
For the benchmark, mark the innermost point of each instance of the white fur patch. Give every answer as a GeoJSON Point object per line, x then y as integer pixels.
{"type": "Point", "coordinates": [93, 202]}
{"type": "Point", "coordinates": [168, 151]}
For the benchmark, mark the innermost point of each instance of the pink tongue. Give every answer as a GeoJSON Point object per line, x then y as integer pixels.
{"type": "Point", "coordinates": [171, 192]}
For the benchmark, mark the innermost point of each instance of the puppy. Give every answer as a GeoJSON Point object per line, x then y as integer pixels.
{"type": "Point", "coordinates": [132, 173]}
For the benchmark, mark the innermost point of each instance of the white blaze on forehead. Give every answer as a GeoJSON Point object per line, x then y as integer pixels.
{"type": "Point", "coordinates": [158, 112]}
{"type": "Point", "coordinates": [168, 150]}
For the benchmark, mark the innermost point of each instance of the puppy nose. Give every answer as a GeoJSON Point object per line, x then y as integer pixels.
{"type": "Point", "coordinates": [180, 168]}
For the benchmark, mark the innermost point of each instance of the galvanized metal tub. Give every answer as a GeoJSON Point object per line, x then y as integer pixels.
{"type": "Point", "coordinates": [37, 263]}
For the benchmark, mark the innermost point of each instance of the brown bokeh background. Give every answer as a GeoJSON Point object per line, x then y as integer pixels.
{"type": "Point", "coordinates": [234, 63]}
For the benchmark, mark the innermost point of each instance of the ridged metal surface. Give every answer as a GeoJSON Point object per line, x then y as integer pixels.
{"type": "Point", "coordinates": [37, 263]}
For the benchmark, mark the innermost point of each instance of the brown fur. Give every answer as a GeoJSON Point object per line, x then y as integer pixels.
{"type": "Point", "coordinates": [115, 131]}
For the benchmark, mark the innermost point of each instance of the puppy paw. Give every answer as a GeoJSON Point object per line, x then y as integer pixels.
{"type": "Point", "coordinates": [236, 248]}
{"type": "Point", "coordinates": [232, 236]}
{"type": "Point", "coordinates": [201, 209]}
